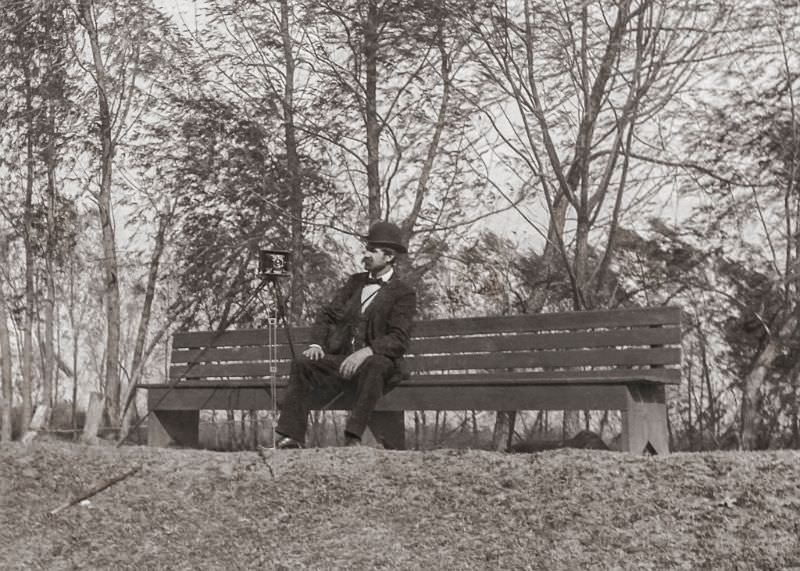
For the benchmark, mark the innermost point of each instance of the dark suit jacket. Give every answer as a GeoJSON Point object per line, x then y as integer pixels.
{"type": "Point", "coordinates": [389, 316]}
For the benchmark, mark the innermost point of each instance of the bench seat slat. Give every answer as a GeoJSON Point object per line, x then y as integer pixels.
{"type": "Point", "coordinates": [668, 376]}
{"type": "Point", "coordinates": [526, 397]}
{"type": "Point", "coordinates": [665, 375]}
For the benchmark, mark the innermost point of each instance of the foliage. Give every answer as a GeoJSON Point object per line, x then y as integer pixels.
{"type": "Point", "coordinates": [745, 146]}
{"type": "Point", "coordinates": [230, 183]}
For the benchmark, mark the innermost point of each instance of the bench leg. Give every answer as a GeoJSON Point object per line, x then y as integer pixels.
{"type": "Point", "coordinates": [644, 423]}
{"type": "Point", "coordinates": [389, 429]}
{"type": "Point", "coordinates": [181, 427]}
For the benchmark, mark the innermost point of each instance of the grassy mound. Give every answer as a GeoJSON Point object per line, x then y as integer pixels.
{"type": "Point", "coordinates": [364, 508]}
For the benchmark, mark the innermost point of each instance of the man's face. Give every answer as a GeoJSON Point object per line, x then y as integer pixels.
{"type": "Point", "coordinates": [376, 260]}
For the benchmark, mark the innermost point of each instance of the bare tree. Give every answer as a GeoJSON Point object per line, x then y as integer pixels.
{"type": "Point", "coordinates": [121, 43]}
{"type": "Point", "coordinates": [617, 65]}
{"type": "Point", "coordinates": [87, 14]}
{"type": "Point", "coordinates": [399, 134]}
{"type": "Point", "coordinates": [31, 63]}
{"type": "Point", "coordinates": [6, 380]}
{"type": "Point", "coordinates": [745, 149]}
{"type": "Point", "coordinates": [787, 139]}
{"type": "Point", "coordinates": [614, 66]}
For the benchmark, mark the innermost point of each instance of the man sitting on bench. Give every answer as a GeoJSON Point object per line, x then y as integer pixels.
{"type": "Point", "coordinates": [358, 343]}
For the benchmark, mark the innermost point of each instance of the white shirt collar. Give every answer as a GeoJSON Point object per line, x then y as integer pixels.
{"type": "Point", "coordinates": [369, 291]}
{"type": "Point", "coordinates": [387, 276]}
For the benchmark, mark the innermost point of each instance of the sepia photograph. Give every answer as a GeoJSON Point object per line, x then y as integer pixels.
{"type": "Point", "coordinates": [400, 284]}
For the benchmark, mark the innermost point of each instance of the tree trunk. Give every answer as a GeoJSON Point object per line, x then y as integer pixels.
{"type": "Point", "coordinates": [111, 279]}
{"type": "Point", "coordinates": [690, 402]}
{"type": "Point", "coordinates": [433, 148]}
{"type": "Point", "coordinates": [49, 368]}
{"type": "Point", "coordinates": [754, 381]}
{"type": "Point", "coordinates": [571, 424]}
{"type": "Point", "coordinates": [416, 430]}
{"type": "Point", "coordinates": [503, 430]}
{"type": "Point", "coordinates": [6, 396]}
{"type": "Point", "coordinates": [27, 343]}
{"type": "Point", "coordinates": [371, 111]}
{"type": "Point", "coordinates": [583, 158]}
{"type": "Point", "coordinates": [94, 416]}
{"type": "Point", "coordinates": [110, 266]}
{"type": "Point", "coordinates": [75, 339]}
{"type": "Point", "coordinates": [40, 420]}
{"type": "Point", "coordinates": [705, 372]}
{"type": "Point", "coordinates": [139, 357]}
{"type": "Point", "coordinates": [293, 170]}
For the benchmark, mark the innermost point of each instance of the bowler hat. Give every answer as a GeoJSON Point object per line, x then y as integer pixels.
{"type": "Point", "coordinates": [386, 235]}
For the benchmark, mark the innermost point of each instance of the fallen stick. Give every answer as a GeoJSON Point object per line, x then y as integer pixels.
{"type": "Point", "coordinates": [96, 489]}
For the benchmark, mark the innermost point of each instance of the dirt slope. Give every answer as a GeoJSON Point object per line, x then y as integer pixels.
{"type": "Point", "coordinates": [365, 508]}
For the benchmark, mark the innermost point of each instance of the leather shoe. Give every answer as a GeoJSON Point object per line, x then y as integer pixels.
{"type": "Point", "coordinates": [287, 443]}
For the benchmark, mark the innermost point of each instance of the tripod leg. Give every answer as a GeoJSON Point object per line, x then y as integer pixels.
{"type": "Point", "coordinates": [276, 288]}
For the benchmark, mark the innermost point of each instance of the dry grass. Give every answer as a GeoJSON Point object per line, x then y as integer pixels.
{"type": "Point", "coordinates": [363, 508]}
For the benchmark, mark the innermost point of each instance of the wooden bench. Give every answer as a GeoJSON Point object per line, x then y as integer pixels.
{"type": "Point", "coordinates": [588, 360]}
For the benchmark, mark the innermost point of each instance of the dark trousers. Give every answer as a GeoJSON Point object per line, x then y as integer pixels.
{"type": "Point", "coordinates": [320, 380]}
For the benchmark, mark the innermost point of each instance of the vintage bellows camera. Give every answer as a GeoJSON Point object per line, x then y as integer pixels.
{"type": "Point", "coordinates": [274, 263]}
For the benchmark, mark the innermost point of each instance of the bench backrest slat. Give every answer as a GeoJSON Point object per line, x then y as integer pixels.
{"type": "Point", "coordinates": [510, 377]}
{"type": "Point", "coordinates": [579, 320]}
{"type": "Point", "coordinates": [547, 359]}
{"type": "Point", "coordinates": [627, 339]}
{"type": "Point", "coordinates": [482, 361]}
{"type": "Point", "coordinates": [235, 338]}
{"type": "Point", "coordinates": [569, 320]}
{"type": "Point", "coordinates": [478, 343]}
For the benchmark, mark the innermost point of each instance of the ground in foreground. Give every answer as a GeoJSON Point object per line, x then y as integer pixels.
{"type": "Point", "coordinates": [363, 508]}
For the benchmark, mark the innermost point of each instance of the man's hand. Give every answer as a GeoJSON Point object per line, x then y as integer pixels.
{"type": "Point", "coordinates": [315, 353]}
{"type": "Point", "coordinates": [351, 364]}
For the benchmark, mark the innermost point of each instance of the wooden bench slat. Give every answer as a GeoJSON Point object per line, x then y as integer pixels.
{"type": "Point", "coordinates": [544, 341]}
{"type": "Point", "coordinates": [527, 397]}
{"type": "Point", "coordinates": [528, 342]}
{"type": "Point", "coordinates": [610, 376]}
{"type": "Point", "coordinates": [551, 321]}
{"type": "Point", "coordinates": [237, 338]}
{"type": "Point", "coordinates": [665, 375]}
{"type": "Point", "coordinates": [225, 371]}
{"type": "Point", "coordinates": [210, 383]}
{"type": "Point", "coordinates": [228, 354]}
{"type": "Point", "coordinates": [545, 359]}
{"type": "Point", "coordinates": [552, 359]}
{"type": "Point", "coordinates": [604, 319]}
